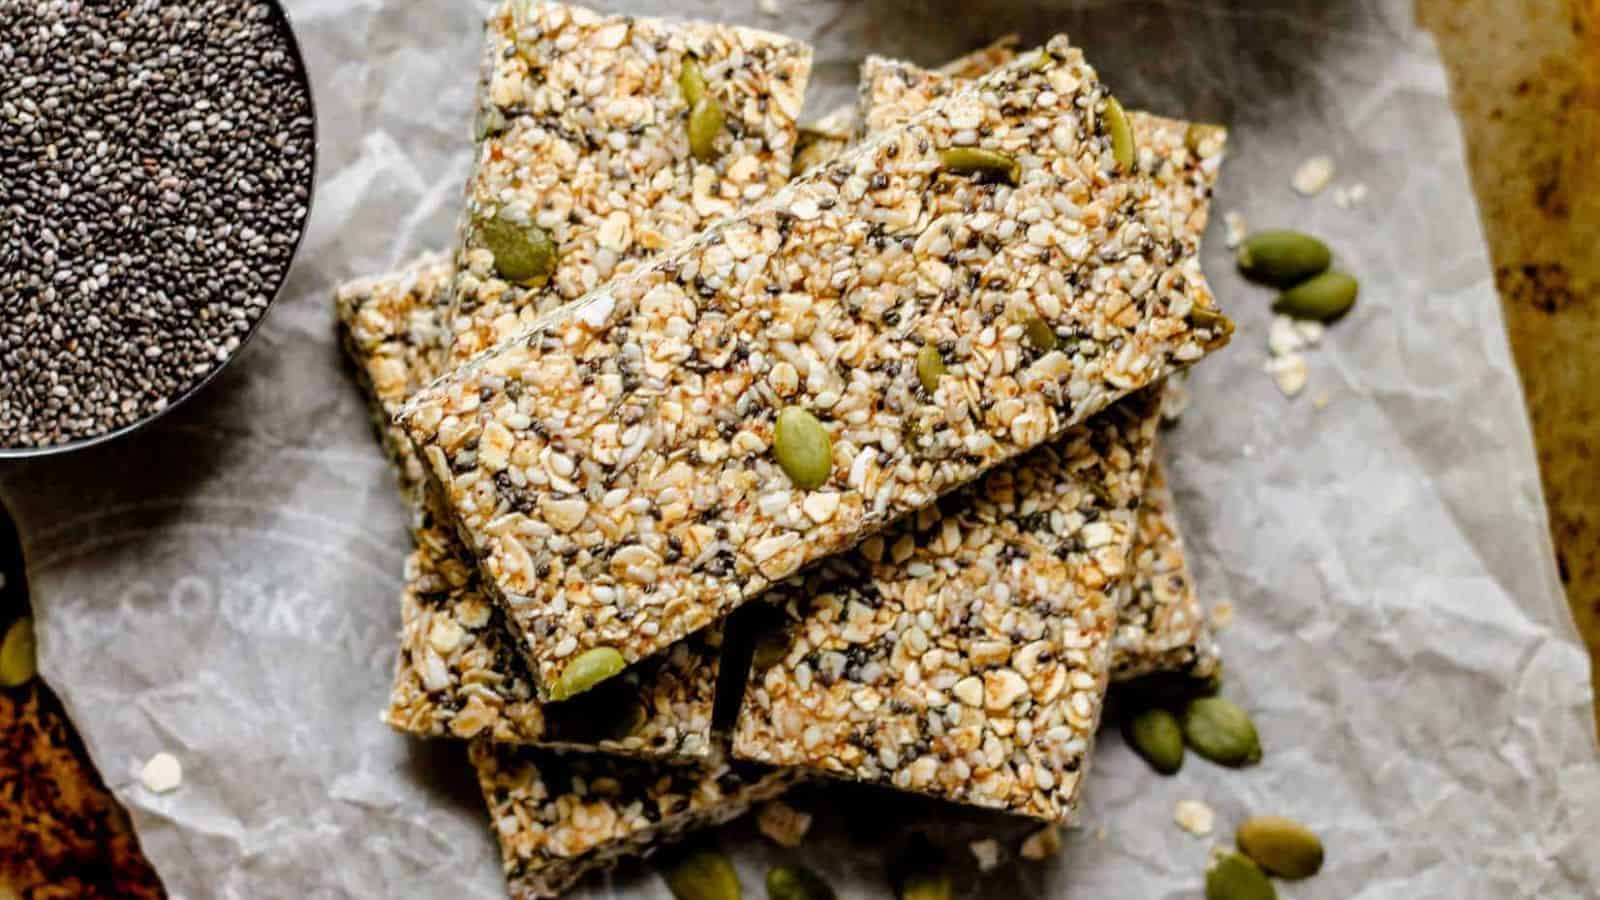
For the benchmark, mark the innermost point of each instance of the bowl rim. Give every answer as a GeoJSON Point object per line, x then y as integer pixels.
{"type": "Point", "coordinates": [286, 26]}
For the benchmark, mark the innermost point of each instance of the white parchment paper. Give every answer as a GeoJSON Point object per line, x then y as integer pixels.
{"type": "Point", "coordinates": [222, 586]}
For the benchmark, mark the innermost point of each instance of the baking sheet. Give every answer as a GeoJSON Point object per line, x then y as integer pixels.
{"type": "Point", "coordinates": [222, 585]}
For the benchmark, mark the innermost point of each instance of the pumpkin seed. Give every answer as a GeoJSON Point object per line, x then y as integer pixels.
{"type": "Point", "coordinates": [1233, 877]}
{"type": "Point", "coordinates": [917, 871]}
{"type": "Point", "coordinates": [803, 448]}
{"type": "Point", "coordinates": [1039, 334]}
{"type": "Point", "coordinates": [927, 886]}
{"type": "Point", "coordinates": [523, 252]}
{"type": "Point", "coordinates": [702, 875]}
{"type": "Point", "coordinates": [586, 670]}
{"type": "Point", "coordinates": [1325, 298]}
{"type": "Point", "coordinates": [1121, 132]}
{"type": "Point", "coordinates": [1281, 846]}
{"type": "Point", "coordinates": [705, 123]}
{"type": "Point", "coordinates": [930, 367]}
{"type": "Point", "coordinates": [1199, 138]}
{"type": "Point", "coordinates": [796, 883]}
{"type": "Point", "coordinates": [487, 121]}
{"type": "Point", "coordinates": [1212, 320]}
{"type": "Point", "coordinates": [1155, 735]}
{"type": "Point", "coordinates": [1221, 732]}
{"type": "Point", "coordinates": [978, 161]}
{"type": "Point", "coordinates": [1282, 257]}
{"type": "Point", "coordinates": [691, 81]}
{"type": "Point", "coordinates": [18, 654]}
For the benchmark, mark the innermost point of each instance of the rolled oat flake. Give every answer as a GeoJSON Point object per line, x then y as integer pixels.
{"type": "Point", "coordinates": [156, 159]}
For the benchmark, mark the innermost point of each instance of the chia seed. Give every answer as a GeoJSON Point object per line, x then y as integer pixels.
{"type": "Point", "coordinates": [156, 160]}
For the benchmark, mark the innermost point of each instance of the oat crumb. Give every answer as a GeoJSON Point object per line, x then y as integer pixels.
{"type": "Point", "coordinates": [1042, 844]}
{"type": "Point", "coordinates": [782, 823]}
{"type": "Point", "coordinates": [1349, 197]}
{"type": "Point", "coordinates": [1222, 614]}
{"type": "Point", "coordinates": [1194, 817]}
{"type": "Point", "coordinates": [986, 852]}
{"type": "Point", "coordinates": [769, 7]}
{"type": "Point", "coordinates": [1313, 176]}
{"type": "Point", "coordinates": [1100, 833]}
{"type": "Point", "coordinates": [1236, 228]}
{"type": "Point", "coordinates": [1322, 400]}
{"type": "Point", "coordinates": [1290, 372]}
{"type": "Point", "coordinates": [161, 774]}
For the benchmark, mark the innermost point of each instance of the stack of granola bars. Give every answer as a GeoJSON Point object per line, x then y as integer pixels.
{"type": "Point", "coordinates": [722, 478]}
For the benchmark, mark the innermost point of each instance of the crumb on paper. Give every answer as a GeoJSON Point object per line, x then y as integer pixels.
{"type": "Point", "coordinates": [161, 774]}
{"type": "Point", "coordinates": [1313, 176]}
{"type": "Point", "coordinates": [1222, 614]}
{"type": "Point", "coordinates": [1349, 197]}
{"type": "Point", "coordinates": [769, 7]}
{"type": "Point", "coordinates": [1321, 400]}
{"type": "Point", "coordinates": [1194, 817]}
{"type": "Point", "coordinates": [1100, 833]}
{"type": "Point", "coordinates": [1236, 228]}
{"type": "Point", "coordinates": [1287, 335]}
{"type": "Point", "coordinates": [1042, 844]}
{"type": "Point", "coordinates": [986, 852]}
{"type": "Point", "coordinates": [1289, 372]}
{"type": "Point", "coordinates": [783, 824]}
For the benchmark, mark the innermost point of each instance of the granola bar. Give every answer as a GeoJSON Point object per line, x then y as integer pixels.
{"type": "Point", "coordinates": [1163, 627]}
{"type": "Point", "coordinates": [964, 653]}
{"type": "Point", "coordinates": [456, 675]}
{"type": "Point", "coordinates": [561, 816]}
{"type": "Point", "coordinates": [583, 132]}
{"type": "Point", "coordinates": [612, 468]}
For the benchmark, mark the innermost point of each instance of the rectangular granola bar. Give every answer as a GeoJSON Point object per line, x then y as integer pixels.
{"type": "Point", "coordinates": [559, 816]}
{"type": "Point", "coordinates": [613, 468]}
{"type": "Point", "coordinates": [964, 653]}
{"type": "Point", "coordinates": [1162, 628]}
{"type": "Point", "coordinates": [584, 140]}
{"type": "Point", "coordinates": [456, 675]}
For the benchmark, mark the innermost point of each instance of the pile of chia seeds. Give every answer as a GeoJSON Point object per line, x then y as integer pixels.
{"type": "Point", "coordinates": [156, 159]}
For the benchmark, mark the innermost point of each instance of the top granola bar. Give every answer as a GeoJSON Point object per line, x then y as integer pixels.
{"type": "Point", "coordinates": [613, 467]}
{"type": "Point", "coordinates": [583, 134]}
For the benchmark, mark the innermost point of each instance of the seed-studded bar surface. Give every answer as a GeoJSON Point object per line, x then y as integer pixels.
{"type": "Point", "coordinates": [583, 140]}
{"type": "Point", "coordinates": [559, 817]}
{"type": "Point", "coordinates": [1162, 628]}
{"type": "Point", "coordinates": [457, 675]}
{"type": "Point", "coordinates": [964, 652]}
{"type": "Point", "coordinates": [614, 468]}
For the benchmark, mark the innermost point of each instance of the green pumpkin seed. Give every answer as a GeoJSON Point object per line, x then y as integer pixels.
{"type": "Point", "coordinates": [1199, 137]}
{"type": "Point", "coordinates": [1233, 877]}
{"type": "Point", "coordinates": [803, 448]}
{"type": "Point", "coordinates": [770, 649]}
{"type": "Point", "coordinates": [586, 670]}
{"type": "Point", "coordinates": [691, 81]}
{"type": "Point", "coordinates": [487, 121]}
{"type": "Point", "coordinates": [1155, 735]}
{"type": "Point", "coordinates": [1121, 132]}
{"type": "Point", "coordinates": [523, 252]}
{"type": "Point", "coordinates": [796, 883]}
{"type": "Point", "coordinates": [1039, 335]}
{"type": "Point", "coordinates": [702, 875]}
{"type": "Point", "coordinates": [1281, 846]}
{"type": "Point", "coordinates": [705, 123]}
{"type": "Point", "coordinates": [927, 886]}
{"type": "Point", "coordinates": [930, 367]}
{"type": "Point", "coordinates": [1221, 732]}
{"type": "Point", "coordinates": [1214, 321]}
{"type": "Point", "coordinates": [18, 654]}
{"type": "Point", "coordinates": [978, 161]}
{"type": "Point", "coordinates": [917, 871]}
{"type": "Point", "coordinates": [1282, 257]}
{"type": "Point", "coordinates": [1325, 298]}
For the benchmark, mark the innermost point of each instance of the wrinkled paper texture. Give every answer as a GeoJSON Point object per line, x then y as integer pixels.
{"type": "Point", "coordinates": [222, 585]}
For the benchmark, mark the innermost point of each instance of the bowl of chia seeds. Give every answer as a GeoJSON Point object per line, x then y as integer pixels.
{"type": "Point", "coordinates": [157, 160]}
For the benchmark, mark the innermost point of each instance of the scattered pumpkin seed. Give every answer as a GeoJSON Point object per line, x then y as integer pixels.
{"type": "Point", "coordinates": [705, 123]}
{"type": "Point", "coordinates": [586, 670]}
{"type": "Point", "coordinates": [702, 875]}
{"type": "Point", "coordinates": [18, 654]}
{"type": "Point", "coordinates": [1199, 135]}
{"type": "Point", "coordinates": [1121, 134]}
{"type": "Point", "coordinates": [1282, 257]}
{"type": "Point", "coordinates": [1039, 334]}
{"type": "Point", "coordinates": [930, 367]}
{"type": "Point", "coordinates": [1233, 877]}
{"type": "Point", "coordinates": [1281, 846]}
{"type": "Point", "coordinates": [691, 81]}
{"type": "Point", "coordinates": [523, 252]}
{"type": "Point", "coordinates": [803, 448]}
{"type": "Point", "coordinates": [796, 883]}
{"type": "Point", "coordinates": [1155, 735]}
{"type": "Point", "coordinates": [978, 161]}
{"type": "Point", "coordinates": [1221, 731]}
{"type": "Point", "coordinates": [1325, 298]}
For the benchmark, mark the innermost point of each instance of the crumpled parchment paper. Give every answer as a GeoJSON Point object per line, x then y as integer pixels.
{"type": "Point", "coordinates": [222, 585]}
